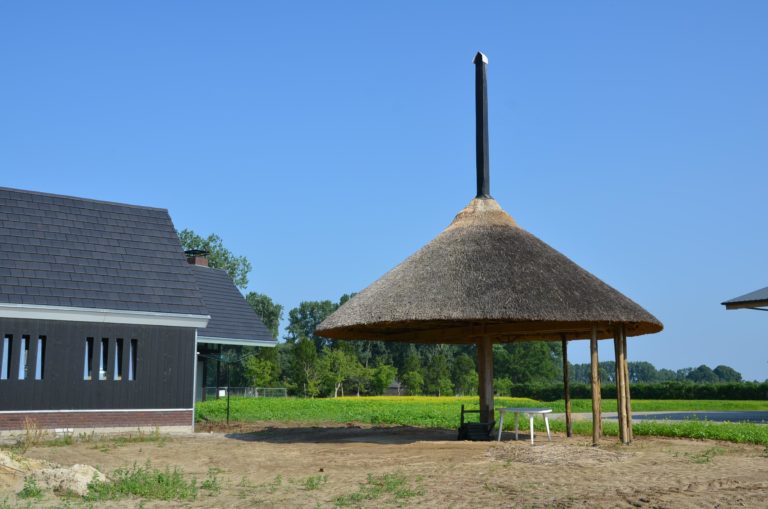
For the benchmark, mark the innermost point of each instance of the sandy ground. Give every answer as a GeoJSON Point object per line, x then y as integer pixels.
{"type": "Point", "coordinates": [268, 466]}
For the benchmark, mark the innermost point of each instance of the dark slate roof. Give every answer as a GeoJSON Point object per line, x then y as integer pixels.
{"type": "Point", "coordinates": [756, 296]}
{"type": "Point", "coordinates": [67, 251]}
{"type": "Point", "coordinates": [231, 316]}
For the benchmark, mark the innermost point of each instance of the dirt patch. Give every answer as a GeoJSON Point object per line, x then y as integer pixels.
{"type": "Point", "coordinates": [64, 480]}
{"type": "Point", "coordinates": [555, 454]}
{"type": "Point", "coordinates": [15, 468]}
{"type": "Point", "coordinates": [329, 465]}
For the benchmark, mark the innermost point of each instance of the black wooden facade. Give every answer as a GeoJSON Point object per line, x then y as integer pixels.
{"type": "Point", "coordinates": [163, 368]}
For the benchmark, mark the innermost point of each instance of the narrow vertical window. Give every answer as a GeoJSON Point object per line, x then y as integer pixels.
{"type": "Point", "coordinates": [23, 356]}
{"type": "Point", "coordinates": [40, 361]}
{"type": "Point", "coordinates": [88, 366]}
{"type": "Point", "coordinates": [119, 359]}
{"type": "Point", "coordinates": [132, 360]}
{"type": "Point", "coordinates": [103, 358]}
{"type": "Point", "coordinates": [5, 368]}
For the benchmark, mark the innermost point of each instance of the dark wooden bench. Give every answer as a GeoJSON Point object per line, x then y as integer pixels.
{"type": "Point", "coordinates": [475, 431]}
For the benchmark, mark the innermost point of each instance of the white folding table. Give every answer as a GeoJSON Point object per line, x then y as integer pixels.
{"type": "Point", "coordinates": [530, 412]}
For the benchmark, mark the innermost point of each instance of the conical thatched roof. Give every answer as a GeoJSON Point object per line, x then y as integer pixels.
{"type": "Point", "coordinates": [486, 276]}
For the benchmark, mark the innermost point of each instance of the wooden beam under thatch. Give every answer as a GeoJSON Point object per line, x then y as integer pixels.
{"type": "Point", "coordinates": [567, 391]}
{"type": "Point", "coordinates": [485, 380]}
{"type": "Point", "coordinates": [620, 390]}
{"type": "Point", "coordinates": [627, 398]}
{"type": "Point", "coordinates": [597, 418]}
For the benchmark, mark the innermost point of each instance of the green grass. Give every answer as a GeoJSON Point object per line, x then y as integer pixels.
{"type": "Point", "coordinates": [443, 412]}
{"type": "Point", "coordinates": [149, 483]}
{"type": "Point", "coordinates": [671, 405]}
{"type": "Point", "coordinates": [394, 488]}
{"type": "Point", "coordinates": [706, 455]}
{"type": "Point", "coordinates": [212, 484]}
{"type": "Point", "coordinates": [430, 412]}
{"type": "Point", "coordinates": [30, 489]}
{"type": "Point", "coordinates": [697, 429]}
{"type": "Point", "coordinates": [314, 482]}
{"type": "Point", "coordinates": [249, 489]}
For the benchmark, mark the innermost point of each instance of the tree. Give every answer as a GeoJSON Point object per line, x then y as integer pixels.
{"type": "Point", "coordinates": [304, 367]}
{"type": "Point", "coordinates": [258, 372]}
{"type": "Point", "coordinates": [727, 374]}
{"type": "Point", "coordinates": [607, 372]}
{"type": "Point", "coordinates": [304, 319]}
{"type": "Point", "coordinates": [271, 313]}
{"type": "Point", "coordinates": [532, 361]}
{"type": "Point", "coordinates": [642, 372]}
{"type": "Point", "coordinates": [702, 374]}
{"type": "Point", "coordinates": [219, 257]}
{"type": "Point", "coordinates": [438, 373]}
{"type": "Point", "coordinates": [666, 375]}
{"type": "Point", "coordinates": [410, 371]}
{"type": "Point", "coordinates": [336, 367]}
{"type": "Point", "coordinates": [465, 377]}
{"type": "Point", "coordinates": [413, 382]}
{"type": "Point", "coordinates": [412, 361]}
{"type": "Point", "coordinates": [382, 376]}
{"type": "Point", "coordinates": [361, 377]}
{"type": "Point", "coordinates": [502, 386]}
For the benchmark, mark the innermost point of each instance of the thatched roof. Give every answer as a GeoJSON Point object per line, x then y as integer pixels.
{"type": "Point", "coordinates": [484, 275]}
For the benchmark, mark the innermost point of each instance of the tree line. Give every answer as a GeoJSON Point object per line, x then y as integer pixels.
{"type": "Point", "coordinates": [310, 365]}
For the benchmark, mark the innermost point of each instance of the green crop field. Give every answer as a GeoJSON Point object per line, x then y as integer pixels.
{"type": "Point", "coordinates": [443, 412]}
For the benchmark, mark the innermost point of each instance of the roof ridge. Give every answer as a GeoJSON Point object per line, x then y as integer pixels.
{"type": "Point", "coordinates": [208, 267]}
{"type": "Point", "coordinates": [80, 198]}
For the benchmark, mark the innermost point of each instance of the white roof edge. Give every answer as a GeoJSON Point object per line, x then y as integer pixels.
{"type": "Point", "coordinates": [236, 342]}
{"type": "Point", "coordinates": [76, 314]}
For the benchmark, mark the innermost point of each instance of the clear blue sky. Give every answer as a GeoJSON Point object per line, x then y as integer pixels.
{"type": "Point", "coordinates": [326, 141]}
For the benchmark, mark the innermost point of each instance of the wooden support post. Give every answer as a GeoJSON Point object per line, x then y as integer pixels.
{"type": "Point", "coordinates": [627, 398]}
{"type": "Point", "coordinates": [567, 390]}
{"type": "Point", "coordinates": [596, 399]}
{"type": "Point", "coordinates": [620, 392]}
{"type": "Point", "coordinates": [485, 372]}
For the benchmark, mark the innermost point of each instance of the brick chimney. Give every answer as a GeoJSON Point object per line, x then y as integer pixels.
{"type": "Point", "coordinates": [197, 257]}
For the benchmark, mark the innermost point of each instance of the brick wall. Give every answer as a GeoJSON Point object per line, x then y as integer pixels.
{"type": "Point", "coordinates": [128, 419]}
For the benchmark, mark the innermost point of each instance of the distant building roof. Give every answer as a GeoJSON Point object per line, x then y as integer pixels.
{"type": "Point", "coordinates": [756, 299]}
{"type": "Point", "coordinates": [233, 321]}
{"type": "Point", "coordinates": [65, 252]}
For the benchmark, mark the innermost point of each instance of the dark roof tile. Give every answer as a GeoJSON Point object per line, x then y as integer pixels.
{"type": "Point", "coordinates": [92, 254]}
{"type": "Point", "coordinates": [760, 295]}
{"type": "Point", "coordinates": [231, 316]}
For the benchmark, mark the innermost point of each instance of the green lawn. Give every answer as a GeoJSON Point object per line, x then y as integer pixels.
{"type": "Point", "coordinates": [443, 412]}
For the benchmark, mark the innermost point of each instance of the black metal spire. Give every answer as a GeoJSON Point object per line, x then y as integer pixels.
{"type": "Point", "coordinates": [481, 126]}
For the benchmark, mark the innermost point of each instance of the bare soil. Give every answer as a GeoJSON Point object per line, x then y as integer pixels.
{"type": "Point", "coordinates": [269, 466]}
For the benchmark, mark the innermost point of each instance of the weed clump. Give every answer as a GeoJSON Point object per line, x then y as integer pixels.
{"type": "Point", "coordinates": [144, 482]}
{"type": "Point", "coordinates": [313, 482]}
{"type": "Point", "coordinates": [212, 484]}
{"type": "Point", "coordinates": [30, 489]}
{"type": "Point", "coordinates": [395, 486]}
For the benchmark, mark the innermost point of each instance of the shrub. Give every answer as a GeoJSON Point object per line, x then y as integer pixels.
{"type": "Point", "coordinates": [657, 390]}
